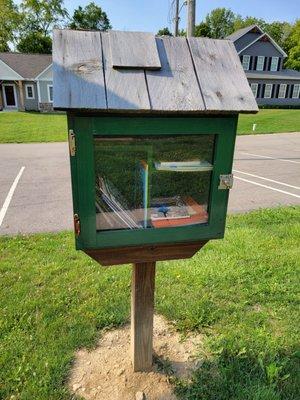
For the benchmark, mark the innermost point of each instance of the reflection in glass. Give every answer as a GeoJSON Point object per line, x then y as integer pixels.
{"type": "Point", "coordinates": [152, 182]}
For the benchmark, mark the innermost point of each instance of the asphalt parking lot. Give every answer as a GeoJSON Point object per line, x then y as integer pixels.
{"type": "Point", "coordinates": [35, 193]}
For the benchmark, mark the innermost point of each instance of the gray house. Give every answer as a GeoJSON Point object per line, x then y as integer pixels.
{"type": "Point", "coordinates": [26, 82]}
{"type": "Point", "coordinates": [262, 60]}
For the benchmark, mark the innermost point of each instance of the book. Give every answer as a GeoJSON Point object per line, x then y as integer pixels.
{"type": "Point", "coordinates": [183, 166]}
{"type": "Point", "coordinates": [197, 215]}
{"type": "Point", "coordinates": [168, 208]}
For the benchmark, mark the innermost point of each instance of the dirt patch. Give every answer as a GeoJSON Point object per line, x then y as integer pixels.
{"type": "Point", "coordinates": [105, 373]}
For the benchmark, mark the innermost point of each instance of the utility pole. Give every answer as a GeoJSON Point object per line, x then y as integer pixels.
{"type": "Point", "coordinates": [191, 17]}
{"type": "Point", "coordinates": [176, 18]}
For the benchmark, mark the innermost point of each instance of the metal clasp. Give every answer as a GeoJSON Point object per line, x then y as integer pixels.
{"type": "Point", "coordinates": [76, 225]}
{"type": "Point", "coordinates": [72, 143]}
{"type": "Point", "coordinates": [226, 182]}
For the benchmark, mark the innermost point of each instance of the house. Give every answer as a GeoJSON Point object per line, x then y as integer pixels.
{"type": "Point", "coordinates": [26, 82]}
{"type": "Point", "coordinates": [262, 60]}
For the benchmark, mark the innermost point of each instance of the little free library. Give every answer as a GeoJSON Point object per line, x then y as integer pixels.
{"type": "Point", "coordinates": [152, 125]}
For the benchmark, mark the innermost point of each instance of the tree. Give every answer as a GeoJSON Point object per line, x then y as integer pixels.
{"type": "Point", "coordinates": [293, 47]}
{"type": "Point", "coordinates": [164, 32]}
{"type": "Point", "coordinates": [39, 18]}
{"type": "Point", "coordinates": [43, 15]}
{"type": "Point", "coordinates": [90, 17]}
{"type": "Point", "coordinates": [240, 22]}
{"type": "Point", "coordinates": [9, 19]}
{"type": "Point", "coordinates": [35, 42]}
{"type": "Point", "coordinates": [202, 29]}
{"type": "Point", "coordinates": [220, 22]}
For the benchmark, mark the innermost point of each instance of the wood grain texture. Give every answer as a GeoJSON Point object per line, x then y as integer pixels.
{"type": "Point", "coordinates": [148, 253]}
{"type": "Point", "coordinates": [78, 70]}
{"type": "Point", "coordinates": [222, 80]}
{"type": "Point", "coordinates": [133, 50]}
{"type": "Point", "coordinates": [175, 86]}
{"type": "Point", "coordinates": [142, 308]}
{"type": "Point", "coordinates": [126, 89]}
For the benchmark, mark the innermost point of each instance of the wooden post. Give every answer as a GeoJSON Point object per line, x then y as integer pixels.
{"type": "Point", "coordinates": [21, 105]}
{"type": "Point", "coordinates": [176, 19]}
{"type": "Point", "coordinates": [142, 308]}
{"type": "Point", "coordinates": [191, 18]}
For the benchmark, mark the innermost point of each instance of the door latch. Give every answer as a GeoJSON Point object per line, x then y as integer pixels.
{"type": "Point", "coordinates": [72, 143]}
{"type": "Point", "coordinates": [226, 182]}
{"type": "Point", "coordinates": [76, 225]}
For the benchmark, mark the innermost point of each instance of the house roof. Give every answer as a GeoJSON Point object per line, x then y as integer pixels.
{"type": "Point", "coordinates": [241, 32]}
{"type": "Point", "coordinates": [261, 37]}
{"type": "Point", "coordinates": [287, 74]}
{"type": "Point", "coordinates": [194, 75]}
{"type": "Point", "coordinates": [27, 65]}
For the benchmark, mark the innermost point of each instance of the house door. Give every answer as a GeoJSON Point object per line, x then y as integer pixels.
{"type": "Point", "coordinates": [9, 95]}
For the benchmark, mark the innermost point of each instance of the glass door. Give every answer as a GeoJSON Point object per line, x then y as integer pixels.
{"type": "Point", "coordinates": [152, 182]}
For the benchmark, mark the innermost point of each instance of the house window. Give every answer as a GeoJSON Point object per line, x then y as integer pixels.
{"type": "Point", "coordinates": [254, 88]}
{"type": "Point", "coordinates": [282, 91]}
{"type": "Point", "coordinates": [274, 63]}
{"type": "Point", "coordinates": [268, 91]}
{"type": "Point", "coordinates": [296, 91]}
{"type": "Point", "coordinates": [260, 63]}
{"type": "Point", "coordinates": [29, 92]}
{"type": "Point", "coordinates": [50, 93]}
{"type": "Point", "coordinates": [246, 62]}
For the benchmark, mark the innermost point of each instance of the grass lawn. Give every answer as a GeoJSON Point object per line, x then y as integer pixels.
{"type": "Point", "coordinates": [241, 292]}
{"type": "Point", "coordinates": [25, 127]}
{"type": "Point", "coordinates": [28, 127]}
{"type": "Point", "coordinates": [270, 121]}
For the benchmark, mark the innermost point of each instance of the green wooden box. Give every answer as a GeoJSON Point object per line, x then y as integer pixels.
{"type": "Point", "coordinates": [86, 130]}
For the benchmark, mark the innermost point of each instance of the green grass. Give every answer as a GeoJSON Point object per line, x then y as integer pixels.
{"type": "Point", "coordinates": [25, 127]}
{"type": "Point", "coordinates": [28, 127]}
{"type": "Point", "coordinates": [270, 121]}
{"type": "Point", "coordinates": [242, 293]}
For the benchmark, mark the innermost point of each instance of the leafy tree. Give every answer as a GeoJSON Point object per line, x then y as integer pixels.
{"type": "Point", "coordinates": [35, 42]}
{"type": "Point", "coordinates": [164, 32]}
{"type": "Point", "coordinates": [9, 19]}
{"type": "Point", "coordinates": [241, 22]}
{"type": "Point", "coordinates": [39, 18]}
{"type": "Point", "coordinates": [293, 47]}
{"type": "Point", "coordinates": [202, 29]}
{"type": "Point", "coordinates": [43, 15]}
{"type": "Point", "coordinates": [90, 17]}
{"type": "Point", "coordinates": [220, 22]}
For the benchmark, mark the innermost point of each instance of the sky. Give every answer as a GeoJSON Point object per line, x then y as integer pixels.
{"type": "Point", "coordinates": [151, 15]}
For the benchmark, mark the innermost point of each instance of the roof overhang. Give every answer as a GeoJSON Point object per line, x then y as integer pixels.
{"type": "Point", "coordinates": [43, 72]}
{"type": "Point", "coordinates": [14, 76]}
{"type": "Point", "coordinates": [273, 77]}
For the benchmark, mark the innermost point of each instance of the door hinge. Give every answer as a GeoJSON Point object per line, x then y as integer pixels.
{"type": "Point", "coordinates": [72, 143]}
{"type": "Point", "coordinates": [226, 182]}
{"type": "Point", "coordinates": [77, 224]}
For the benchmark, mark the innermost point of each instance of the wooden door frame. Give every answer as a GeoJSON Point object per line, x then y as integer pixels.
{"type": "Point", "coordinates": [5, 106]}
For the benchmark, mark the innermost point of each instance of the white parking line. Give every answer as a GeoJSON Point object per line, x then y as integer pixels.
{"type": "Point", "coordinates": [266, 179]}
{"type": "Point", "coordinates": [267, 187]}
{"type": "Point", "coordinates": [272, 158]}
{"type": "Point", "coordinates": [10, 195]}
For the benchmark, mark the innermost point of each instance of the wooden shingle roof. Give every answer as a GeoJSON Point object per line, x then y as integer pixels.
{"type": "Point", "coordinates": [138, 72]}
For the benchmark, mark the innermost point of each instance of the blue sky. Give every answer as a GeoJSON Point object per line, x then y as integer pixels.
{"type": "Point", "coordinates": [151, 15]}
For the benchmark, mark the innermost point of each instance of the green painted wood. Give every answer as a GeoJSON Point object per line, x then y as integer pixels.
{"type": "Point", "coordinates": [84, 185]}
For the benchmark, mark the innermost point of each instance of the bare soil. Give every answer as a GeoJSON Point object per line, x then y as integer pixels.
{"type": "Point", "coordinates": [105, 373]}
